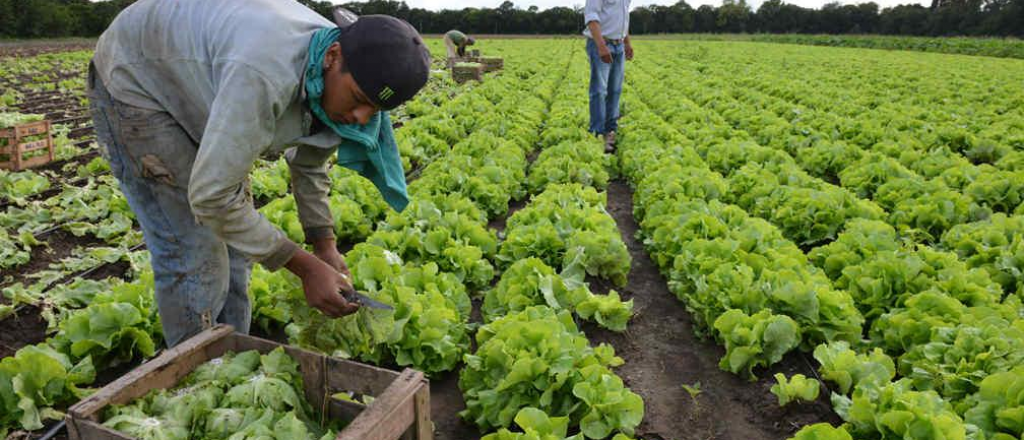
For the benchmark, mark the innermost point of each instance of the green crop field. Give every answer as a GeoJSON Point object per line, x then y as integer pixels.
{"type": "Point", "coordinates": [791, 241]}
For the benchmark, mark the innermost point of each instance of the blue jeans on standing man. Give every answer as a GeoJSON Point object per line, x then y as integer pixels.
{"type": "Point", "coordinates": [605, 86]}
{"type": "Point", "coordinates": [199, 280]}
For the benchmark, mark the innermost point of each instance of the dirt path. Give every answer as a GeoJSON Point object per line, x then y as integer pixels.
{"type": "Point", "coordinates": [662, 353]}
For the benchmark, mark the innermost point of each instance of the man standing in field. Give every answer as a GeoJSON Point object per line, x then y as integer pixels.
{"type": "Point", "coordinates": [456, 42]}
{"type": "Point", "coordinates": [187, 94]}
{"type": "Point", "coordinates": [608, 46]}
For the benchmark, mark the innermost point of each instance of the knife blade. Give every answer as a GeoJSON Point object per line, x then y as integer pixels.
{"type": "Point", "coordinates": [364, 300]}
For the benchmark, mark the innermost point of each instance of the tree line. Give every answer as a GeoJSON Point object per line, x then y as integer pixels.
{"type": "Point", "coordinates": [82, 18]}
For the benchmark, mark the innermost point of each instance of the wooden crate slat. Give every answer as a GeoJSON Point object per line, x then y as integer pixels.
{"type": "Point", "coordinates": [12, 146]}
{"type": "Point", "coordinates": [492, 63]}
{"type": "Point", "coordinates": [35, 161]}
{"type": "Point", "coordinates": [346, 375]}
{"type": "Point", "coordinates": [90, 430]}
{"type": "Point", "coordinates": [31, 129]}
{"type": "Point", "coordinates": [34, 145]}
{"type": "Point", "coordinates": [343, 409]}
{"type": "Point", "coordinates": [423, 428]}
{"type": "Point", "coordinates": [390, 414]}
{"type": "Point", "coordinates": [163, 371]}
{"type": "Point", "coordinates": [401, 408]}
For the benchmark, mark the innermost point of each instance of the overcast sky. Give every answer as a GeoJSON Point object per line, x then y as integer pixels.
{"type": "Point", "coordinates": [544, 4]}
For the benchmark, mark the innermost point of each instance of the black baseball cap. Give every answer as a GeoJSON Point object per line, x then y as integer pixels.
{"type": "Point", "coordinates": [387, 58]}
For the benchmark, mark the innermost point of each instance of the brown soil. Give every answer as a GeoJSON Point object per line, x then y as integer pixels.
{"type": "Point", "coordinates": [57, 166]}
{"type": "Point", "coordinates": [59, 244]}
{"type": "Point", "coordinates": [58, 178]}
{"type": "Point", "coordinates": [28, 48]}
{"type": "Point", "coordinates": [662, 353]}
{"type": "Point", "coordinates": [21, 329]}
{"type": "Point", "coordinates": [117, 270]}
{"type": "Point", "coordinates": [81, 132]}
{"type": "Point", "coordinates": [498, 224]}
{"type": "Point", "coordinates": [445, 403]}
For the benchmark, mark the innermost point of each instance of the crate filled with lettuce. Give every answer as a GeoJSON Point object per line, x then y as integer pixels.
{"type": "Point", "coordinates": [491, 64]}
{"type": "Point", "coordinates": [226, 385]}
{"type": "Point", "coordinates": [25, 141]}
{"type": "Point", "coordinates": [465, 71]}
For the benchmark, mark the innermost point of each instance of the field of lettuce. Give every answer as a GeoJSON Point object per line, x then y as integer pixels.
{"type": "Point", "coordinates": [790, 242]}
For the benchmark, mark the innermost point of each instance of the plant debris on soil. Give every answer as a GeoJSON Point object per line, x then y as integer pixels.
{"type": "Point", "coordinates": [662, 353]}
{"type": "Point", "coordinates": [660, 347]}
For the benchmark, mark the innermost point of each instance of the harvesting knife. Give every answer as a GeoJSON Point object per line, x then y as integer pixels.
{"type": "Point", "coordinates": [364, 300]}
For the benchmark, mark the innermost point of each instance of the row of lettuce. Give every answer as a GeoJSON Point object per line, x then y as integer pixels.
{"type": "Point", "coordinates": [988, 47]}
{"type": "Point", "coordinates": [28, 78]}
{"type": "Point", "coordinates": [908, 295]}
{"type": "Point", "coordinates": [82, 199]}
{"type": "Point", "coordinates": [882, 137]}
{"type": "Point", "coordinates": [30, 197]}
{"type": "Point", "coordinates": [93, 324]}
{"type": "Point", "coordinates": [532, 365]}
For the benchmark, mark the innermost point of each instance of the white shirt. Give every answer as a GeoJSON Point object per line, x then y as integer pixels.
{"type": "Point", "coordinates": [612, 14]}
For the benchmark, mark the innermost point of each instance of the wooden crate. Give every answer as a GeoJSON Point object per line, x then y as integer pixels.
{"type": "Point", "coordinates": [465, 73]}
{"type": "Point", "coordinates": [400, 410]}
{"type": "Point", "coordinates": [492, 63]}
{"type": "Point", "coordinates": [455, 60]}
{"type": "Point", "coordinates": [13, 145]}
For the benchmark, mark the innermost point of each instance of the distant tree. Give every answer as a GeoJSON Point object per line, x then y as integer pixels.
{"type": "Point", "coordinates": [704, 19]}
{"type": "Point", "coordinates": [322, 7]}
{"type": "Point", "coordinates": [770, 18]}
{"type": "Point", "coordinates": [733, 16]}
{"type": "Point", "coordinates": [641, 20]}
{"type": "Point", "coordinates": [676, 18]}
{"type": "Point", "coordinates": [60, 18]}
{"type": "Point", "coordinates": [865, 17]}
{"type": "Point", "coordinates": [42, 18]}
{"type": "Point", "coordinates": [904, 20]}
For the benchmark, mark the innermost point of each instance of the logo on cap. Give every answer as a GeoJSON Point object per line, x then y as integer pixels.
{"type": "Point", "coordinates": [385, 93]}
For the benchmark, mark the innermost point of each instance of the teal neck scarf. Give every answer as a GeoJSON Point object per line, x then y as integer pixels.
{"type": "Point", "coordinates": [363, 134]}
{"type": "Point", "coordinates": [318, 46]}
{"type": "Point", "coordinates": [369, 149]}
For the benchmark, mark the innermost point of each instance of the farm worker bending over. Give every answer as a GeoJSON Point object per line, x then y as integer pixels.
{"type": "Point", "coordinates": [456, 43]}
{"type": "Point", "coordinates": [187, 94]}
{"type": "Point", "coordinates": [607, 31]}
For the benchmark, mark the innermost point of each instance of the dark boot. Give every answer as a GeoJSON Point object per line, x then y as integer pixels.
{"type": "Point", "coordinates": [609, 142]}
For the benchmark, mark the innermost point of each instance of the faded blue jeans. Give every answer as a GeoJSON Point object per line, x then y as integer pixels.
{"type": "Point", "coordinates": [199, 280]}
{"type": "Point", "coordinates": [605, 87]}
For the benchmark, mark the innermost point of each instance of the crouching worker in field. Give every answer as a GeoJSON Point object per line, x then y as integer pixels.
{"type": "Point", "coordinates": [187, 94]}
{"type": "Point", "coordinates": [456, 42]}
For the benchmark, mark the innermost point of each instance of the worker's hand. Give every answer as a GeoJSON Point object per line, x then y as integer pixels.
{"type": "Point", "coordinates": [604, 53]}
{"type": "Point", "coordinates": [322, 284]}
{"type": "Point", "coordinates": [326, 250]}
{"type": "Point", "coordinates": [629, 52]}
